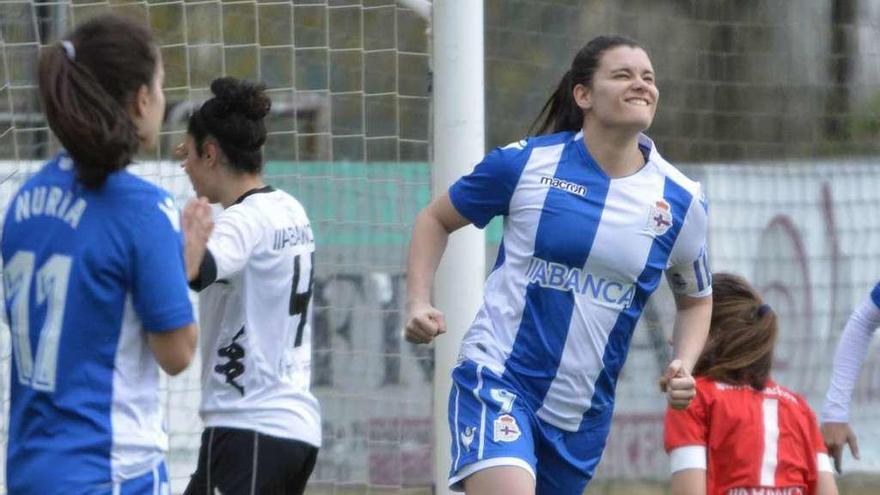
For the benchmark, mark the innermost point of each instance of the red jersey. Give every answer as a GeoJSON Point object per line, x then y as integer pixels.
{"type": "Point", "coordinates": [750, 442]}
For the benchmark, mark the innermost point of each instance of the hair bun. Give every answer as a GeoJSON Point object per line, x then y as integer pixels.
{"type": "Point", "coordinates": [242, 97]}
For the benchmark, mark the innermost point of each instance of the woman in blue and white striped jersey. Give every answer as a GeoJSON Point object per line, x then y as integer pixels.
{"type": "Point", "coordinates": [593, 216]}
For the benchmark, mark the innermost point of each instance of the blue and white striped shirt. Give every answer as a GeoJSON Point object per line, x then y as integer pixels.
{"type": "Point", "coordinates": [581, 253]}
{"type": "Point", "coordinates": [85, 274]}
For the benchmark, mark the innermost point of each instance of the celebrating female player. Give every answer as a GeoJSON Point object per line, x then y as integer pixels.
{"type": "Point", "coordinates": [593, 216]}
{"type": "Point", "coordinates": [744, 434]}
{"type": "Point", "coordinates": [94, 276]}
{"type": "Point", "coordinates": [263, 425]}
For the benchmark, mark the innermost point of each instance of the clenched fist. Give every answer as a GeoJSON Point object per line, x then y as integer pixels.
{"type": "Point", "coordinates": [423, 323]}
{"type": "Point", "coordinates": [678, 384]}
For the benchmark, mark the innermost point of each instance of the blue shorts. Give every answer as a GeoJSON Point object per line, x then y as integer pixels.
{"type": "Point", "coordinates": [71, 482]}
{"type": "Point", "coordinates": [492, 426]}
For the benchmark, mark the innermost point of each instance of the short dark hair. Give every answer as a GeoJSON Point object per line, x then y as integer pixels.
{"type": "Point", "coordinates": [86, 93]}
{"type": "Point", "coordinates": [234, 117]}
{"type": "Point", "coordinates": [742, 335]}
{"type": "Point", "coordinates": [561, 112]}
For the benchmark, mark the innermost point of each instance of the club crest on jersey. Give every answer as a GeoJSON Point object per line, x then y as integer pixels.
{"type": "Point", "coordinates": [660, 219]}
{"type": "Point", "coordinates": [467, 438]}
{"type": "Point", "coordinates": [506, 429]}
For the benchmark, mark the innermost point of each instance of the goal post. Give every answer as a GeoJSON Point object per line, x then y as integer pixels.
{"type": "Point", "coordinates": [458, 145]}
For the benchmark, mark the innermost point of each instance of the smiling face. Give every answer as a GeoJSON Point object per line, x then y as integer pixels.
{"type": "Point", "coordinates": [623, 93]}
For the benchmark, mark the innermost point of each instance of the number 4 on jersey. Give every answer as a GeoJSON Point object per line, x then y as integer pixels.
{"type": "Point", "coordinates": [299, 301]}
{"type": "Point", "coordinates": [51, 291]}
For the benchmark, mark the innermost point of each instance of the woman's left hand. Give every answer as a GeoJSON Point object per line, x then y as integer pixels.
{"type": "Point", "coordinates": [678, 384]}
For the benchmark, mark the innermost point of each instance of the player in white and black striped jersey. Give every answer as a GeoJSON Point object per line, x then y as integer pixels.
{"type": "Point", "coordinates": [262, 424]}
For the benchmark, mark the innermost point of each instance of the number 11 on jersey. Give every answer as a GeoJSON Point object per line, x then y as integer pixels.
{"type": "Point", "coordinates": [51, 291]}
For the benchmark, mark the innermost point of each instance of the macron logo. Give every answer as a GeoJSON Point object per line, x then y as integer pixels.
{"type": "Point", "coordinates": [564, 185]}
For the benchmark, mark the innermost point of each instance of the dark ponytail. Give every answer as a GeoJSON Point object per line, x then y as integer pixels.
{"type": "Point", "coordinates": [87, 86]}
{"type": "Point", "coordinates": [234, 117]}
{"type": "Point", "coordinates": [560, 112]}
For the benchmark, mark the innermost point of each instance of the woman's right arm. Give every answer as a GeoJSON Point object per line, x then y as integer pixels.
{"type": "Point", "coordinates": [474, 199]}
{"type": "Point", "coordinates": [160, 293]}
{"type": "Point", "coordinates": [430, 234]}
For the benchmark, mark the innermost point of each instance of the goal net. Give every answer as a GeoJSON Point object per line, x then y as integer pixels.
{"type": "Point", "coordinates": [349, 138]}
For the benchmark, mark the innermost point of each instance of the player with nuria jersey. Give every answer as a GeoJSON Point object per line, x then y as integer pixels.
{"type": "Point", "coordinates": [848, 360]}
{"type": "Point", "coordinates": [744, 434]}
{"type": "Point", "coordinates": [593, 217]}
{"type": "Point", "coordinates": [94, 276]}
{"type": "Point", "coordinates": [263, 425]}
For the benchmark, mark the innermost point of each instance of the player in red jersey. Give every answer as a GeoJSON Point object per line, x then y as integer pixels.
{"type": "Point", "coordinates": [744, 434]}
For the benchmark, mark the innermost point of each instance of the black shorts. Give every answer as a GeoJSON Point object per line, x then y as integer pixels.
{"type": "Point", "coordinates": [244, 462]}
